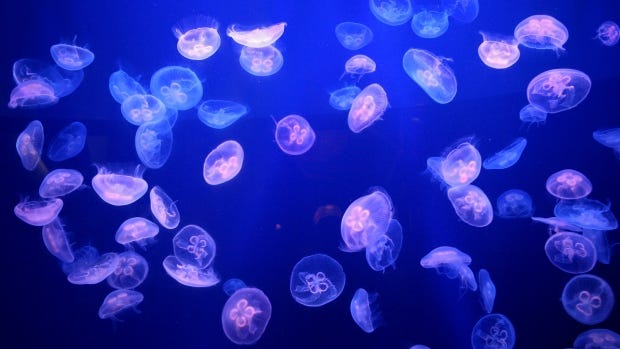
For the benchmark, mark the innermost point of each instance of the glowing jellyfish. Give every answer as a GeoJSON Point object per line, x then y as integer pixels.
{"type": "Point", "coordinates": [119, 189]}
{"type": "Point", "coordinates": [194, 246]}
{"type": "Point", "coordinates": [245, 315]}
{"type": "Point", "coordinates": [29, 144]}
{"type": "Point", "coordinates": [38, 212]}
{"type": "Point", "coordinates": [391, 12]}
{"type": "Point", "coordinates": [122, 85]}
{"type": "Point", "coordinates": [197, 43]}
{"type": "Point", "coordinates": [60, 182]}
{"type": "Point", "coordinates": [317, 280]}
{"type": "Point", "coordinates": [153, 142]}
{"type": "Point", "coordinates": [430, 24]}
{"type": "Point", "coordinates": [220, 114]}
{"type": "Point", "coordinates": [599, 239]}
{"type": "Point", "coordinates": [189, 275]}
{"type": "Point", "coordinates": [587, 213]}
{"type": "Point", "coordinates": [359, 65]}
{"type": "Point", "coordinates": [177, 87]}
{"type": "Point", "coordinates": [368, 106]}
{"type": "Point", "coordinates": [56, 242]}
{"type": "Point", "coordinates": [136, 229]}
{"type": "Point", "coordinates": [532, 115]}
{"type": "Point", "coordinates": [256, 37]}
{"type": "Point", "coordinates": [461, 166]}
{"type": "Point", "coordinates": [465, 11]}
{"type": "Point", "coordinates": [32, 94]}
{"type": "Point", "coordinates": [353, 36]}
{"type": "Point", "coordinates": [541, 32]}
{"type": "Point", "coordinates": [487, 290]}
{"type": "Point", "coordinates": [558, 90]}
{"type": "Point", "coordinates": [89, 268]}
{"type": "Point", "coordinates": [223, 163]}
{"type": "Point", "coordinates": [452, 263]}
{"type": "Point", "coordinates": [294, 135]}
{"type": "Point", "coordinates": [471, 205]}
{"type": "Point", "coordinates": [506, 157]}
{"type": "Point", "coordinates": [68, 143]}
{"type": "Point", "coordinates": [431, 74]}
{"type": "Point", "coordinates": [117, 301]}
{"type": "Point", "coordinates": [608, 33]}
{"type": "Point", "coordinates": [597, 339]}
{"type": "Point", "coordinates": [262, 61]}
{"type": "Point", "coordinates": [383, 251]}
{"type": "Point", "coordinates": [71, 57]}
{"type": "Point", "coordinates": [164, 209]}
{"type": "Point", "coordinates": [608, 137]}
{"type": "Point", "coordinates": [131, 270]}
{"type": "Point", "coordinates": [138, 109]}
{"type": "Point", "coordinates": [364, 310]}
{"type": "Point", "coordinates": [588, 299]}
{"type": "Point", "coordinates": [419, 346]}
{"type": "Point", "coordinates": [498, 51]}
{"type": "Point", "coordinates": [63, 82]}
{"type": "Point", "coordinates": [514, 203]}
{"type": "Point", "coordinates": [365, 220]}
{"type": "Point", "coordinates": [568, 184]}
{"type": "Point", "coordinates": [342, 98]}
{"type": "Point", "coordinates": [493, 331]}
{"type": "Point", "coordinates": [571, 252]}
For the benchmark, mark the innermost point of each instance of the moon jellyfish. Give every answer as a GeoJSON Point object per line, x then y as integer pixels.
{"type": "Point", "coordinates": [198, 43]}
{"type": "Point", "coordinates": [364, 310]}
{"type": "Point", "coordinates": [608, 137]}
{"type": "Point", "coordinates": [91, 269]}
{"type": "Point", "coordinates": [557, 90]}
{"type": "Point", "coordinates": [514, 203]}
{"type": "Point", "coordinates": [119, 189]}
{"type": "Point", "coordinates": [56, 242]}
{"type": "Point", "coordinates": [294, 135]}
{"type": "Point", "coordinates": [353, 36]}
{"type": "Point", "coordinates": [461, 166]}
{"type": "Point", "coordinates": [498, 51]}
{"type": "Point", "coordinates": [189, 275]}
{"type": "Point", "coordinates": [452, 263]}
{"type": "Point", "coordinates": [153, 142]}
{"type": "Point", "coordinates": [32, 94]}
{"type": "Point", "coordinates": [262, 61]}
{"type": "Point", "coordinates": [164, 209]}
{"type": "Point", "coordinates": [493, 331]}
{"type": "Point", "coordinates": [256, 37]}
{"type": "Point", "coordinates": [487, 290]}
{"type": "Point", "coordinates": [38, 212]}
{"type": "Point", "coordinates": [568, 184]}
{"type": "Point", "coordinates": [177, 87]}
{"type": "Point", "coordinates": [220, 114]}
{"type": "Point", "coordinates": [122, 85]}
{"type": "Point", "coordinates": [137, 229]}
{"type": "Point", "coordinates": [317, 280]}
{"type": "Point", "coordinates": [419, 346]}
{"type": "Point", "coordinates": [430, 24]}
{"type": "Point", "coordinates": [571, 252]}
{"type": "Point", "coordinates": [63, 82]}
{"type": "Point", "coordinates": [71, 57]}
{"type": "Point", "coordinates": [29, 144]}
{"type": "Point", "coordinates": [541, 32]}
{"type": "Point", "coordinates": [359, 65]}
{"type": "Point", "coordinates": [431, 74]}
{"type": "Point", "coordinates": [506, 157]}
{"type": "Point", "coordinates": [532, 115]}
{"type": "Point", "coordinates": [383, 251]}
{"type": "Point", "coordinates": [608, 33]}
{"type": "Point", "coordinates": [245, 315]}
{"type": "Point", "coordinates": [117, 301]}
{"type": "Point", "coordinates": [588, 299]}
{"type": "Point", "coordinates": [223, 163]}
{"type": "Point", "coordinates": [471, 205]}
{"type": "Point", "coordinates": [138, 109]}
{"type": "Point", "coordinates": [599, 239]}
{"type": "Point", "coordinates": [586, 213]}
{"type": "Point", "coordinates": [465, 11]}
{"type": "Point", "coordinates": [194, 246]}
{"type": "Point", "coordinates": [342, 98]}
{"type": "Point", "coordinates": [597, 339]}
{"type": "Point", "coordinates": [60, 182]}
{"type": "Point", "coordinates": [68, 143]}
{"type": "Point", "coordinates": [131, 270]}
{"type": "Point", "coordinates": [365, 220]}
{"type": "Point", "coordinates": [391, 12]}
{"type": "Point", "coordinates": [367, 107]}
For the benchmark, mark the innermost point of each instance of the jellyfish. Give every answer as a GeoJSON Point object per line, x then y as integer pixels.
{"type": "Point", "coordinates": [32, 94]}
{"type": "Point", "coordinates": [465, 11]}
{"type": "Point", "coordinates": [119, 189]}
{"type": "Point", "coordinates": [63, 82]}
{"type": "Point", "coordinates": [514, 203]}
{"type": "Point", "coordinates": [608, 33]}
{"type": "Point", "coordinates": [541, 32]}
{"type": "Point", "coordinates": [569, 184]}
{"type": "Point", "coordinates": [122, 85]}
{"type": "Point", "coordinates": [365, 311]}
{"type": "Point", "coordinates": [359, 65]}
{"type": "Point", "coordinates": [588, 299]}
{"type": "Point", "coordinates": [136, 229]}
{"type": "Point", "coordinates": [506, 157]}
{"type": "Point", "coordinates": [117, 301]}
{"type": "Point", "coordinates": [189, 275]}
{"type": "Point", "coordinates": [367, 107]}
{"type": "Point", "coordinates": [138, 109]}
{"type": "Point", "coordinates": [245, 315]}
{"type": "Point", "coordinates": [431, 74]}
{"type": "Point", "coordinates": [68, 143]}
{"type": "Point", "coordinates": [177, 87]}
{"type": "Point", "coordinates": [230, 286]}
{"type": "Point", "coordinates": [342, 98]}
{"type": "Point", "coordinates": [256, 37]}
{"type": "Point", "coordinates": [586, 213]}
{"type": "Point", "coordinates": [430, 24]}
{"type": "Point", "coordinates": [56, 242]}
{"type": "Point", "coordinates": [609, 137]}
{"type": "Point", "coordinates": [557, 90]}
{"type": "Point", "coordinates": [419, 346]}
{"type": "Point", "coordinates": [263, 61]}
{"type": "Point", "coordinates": [194, 246]}
{"type": "Point", "coordinates": [91, 269]}
{"type": "Point", "coordinates": [571, 252]}
{"type": "Point", "coordinates": [597, 339]}
{"type": "Point", "coordinates": [487, 290]}
{"type": "Point", "coordinates": [353, 36]}
{"type": "Point", "coordinates": [557, 224]}
{"type": "Point", "coordinates": [317, 280]}
{"type": "Point", "coordinates": [164, 209]}
{"type": "Point", "coordinates": [153, 142]}
{"type": "Point", "coordinates": [493, 331]}
{"type": "Point", "coordinates": [220, 114]}
{"type": "Point", "coordinates": [599, 239]}
{"type": "Point", "coordinates": [392, 12]}
{"type": "Point", "coordinates": [532, 115]}
{"type": "Point", "coordinates": [131, 270]}
{"type": "Point", "coordinates": [38, 212]}
{"type": "Point", "coordinates": [498, 51]}
{"type": "Point", "coordinates": [71, 57]}
{"type": "Point", "coordinates": [452, 263]}
{"type": "Point", "coordinates": [200, 42]}
{"type": "Point", "coordinates": [384, 250]}
{"type": "Point", "coordinates": [461, 166]}
{"type": "Point", "coordinates": [29, 145]}
{"type": "Point", "coordinates": [223, 163]}
{"type": "Point", "coordinates": [294, 135]}
{"type": "Point", "coordinates": [366, 219]}
{"type": "Point", "coordinates": [471, 205]}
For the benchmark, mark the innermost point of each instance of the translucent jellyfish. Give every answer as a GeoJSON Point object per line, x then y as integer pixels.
{"type": "Point", "coordinates": [557, 224]}
{"type": "Point", "coordinates": [452, 263]}
{"type": "Point", "coordinates": [317, 280]}
{"type": "Point", "coordinates": [259, 37]}
{"type": "Point", "coordinates": [136, 229]}
{"type": "Point", "coordinates": [359, 65]}
{"type": "Point", "coordinates": [461, 166]}
{"type": "Point", "coordinates": [587, 214]}
{"type": "Point", "coordinates": [197, 43]}
{"type": "Point", "coordinates": [493, 331]}
{"type": "Point", "coordinates": [569, 184]}
{"type": "Point", "coordinates": [588, 299]}
{"type": "Point", "coordinates": [364, 310]}
{"type": "Point", "coordinates": [294, 135]}
{"type": "Point", "coordinates": [117, 301]}
{"type": "Point", "coordinates": [245, 315]}
{"type": "Point", "coordinates": [365, 220]}
{"type": "Point", "coordinates": [122, 85]}
{"type": "Point", "coordinates": [223, 163]}
{"type": "Point", "coordinates": [498, 51]}
{"type": "Point", "coordinates": [178, 87]}
{"type": "Point", "coordinates": [64, 82]}
{"type": "Point", "coordinates": [608, 137]}
{"type": "Point", "coordinates": [342, 98]}
{"type": "Point", "coordinates": [506, 157]}
{"type": "Point", "coordinates": [119, 189]}
{"type": "Point", "coordinates": [471, 205]}
{"type": "Point", "coordinates": [83, 257]}
{"type": "Point", "coordinates": [68, 143]}
{"type": "Point", "coordinates": [190, 275]}
{"type": "Point", "coordinates": [541, 32]}
{"type": "Point", "coordinates": [230, 286]}
{"type": "Point", "coordinates": [90, 269]}
{"type": "Point", "coordinates": [557, 90]}
{"type": "Point", "coordinates": [367, 107]}
{"type": "Point", "coordinates": [608, 33]}
{"type": "Point", "coordinates": [60, 182]}
{"type": "Point", "coordinates": [419, 346]}
{"type": "Point", "coordinates": [38, 212]}
{"type": "Point", "coordinates": [430, 24]}
{"type": "Point", "coordinates": [532, 115]}
{"type": "Point", "coordinates": [32, 94]}
{"type": "Point", "coordinates": [465, 11]}
{"type": "Point", "coordinates": [153, 142]}
{"type": "Point", "coordinates": [262, 61]}
{"type": "Point", "coordinates": [599, 239]}
{"type": "Point", "coordinates": [29, 144]}
{"type": "Point", "coordinates": [220, 114]}
{"type": "Point", "coordinates": [352, 35]}
{"type": "Point", "coordinates": [138, 109]}
{"type": "Point", "coordinates": [71, 57]}
{"type": "Point", "coordinates": [391, 12]}
{"type": "Point", "coordinates": [383, 251]}
{"type": "Point", "coordinates": [514, 203]}
{"type": "Point", "coordinates": [56, 242]}
{"type": "Point", "coordinates": [487, 290]}
{"type": "Point", "coordinates": [431, 74]}
{"type": "Point", "coordinates": [597, 339]}
{"type": "Point", "coordinates": [571, 252]}
{"type": "Point", "coordinates": [131, 270]}
{"type": "Point", "coordinates": [164, 209]}
{"type": "Point", "coordinates": [194, 246]}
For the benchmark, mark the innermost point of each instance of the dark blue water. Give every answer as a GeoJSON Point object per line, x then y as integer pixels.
{"type": "Point", "coordinates": [262, 221]}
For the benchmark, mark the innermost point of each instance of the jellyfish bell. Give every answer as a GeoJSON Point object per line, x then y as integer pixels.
{"type": "Point", "coordinates": [256, 37]}
{"type": "Point", "coordinates": [119, 187]}
{"type": "Point", "coordinates": [198, 37]}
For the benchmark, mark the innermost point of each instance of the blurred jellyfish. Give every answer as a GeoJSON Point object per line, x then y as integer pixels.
{"type": "Point", "coordinates": [294, 135]}
{"type": "Point", "coordinates": [429, 24]}
{"type": "Point", "coordinates": [223, 163]}
{"type": "Point", "coordinates": [493, 331]}
{"type": "Point", "coordinates": [32, 94]}
{"type": "Point", "coordinates": [29, 145]}
{"type": "Point", "coordinates": [177, 87]}
{"type": "Point", "coordinates": [364, 310]}
{"type": "Point", "coordinates": [194, 246]}
{"type": "Point", "coordinates": [588, 299]}
{"type": "Point", "coordinates": [164, 209]}
{"type": "Point", "coordinates": [71, 57]}
{"type": "Point", "coordinates": [608, 137]}
{"type": "Point", "coordinates": [189, 275]}
{"type": "Point", "coordinates": [262, 61]}
{"type": "Point", "coordinates": [571, 252]}
{"type": "Point", "coordinates": [431, 74]}
{"type": "Point", "coordinates": [220, 114]}
{"type": "Point", "coordinates": [256, 37]}
{"type": "Point", "coordinates": [342, 98]}
{"type": "Point", "coordinates": [89, 268]}
{"type": "Point", "coordinates": [367, 107]}
{"type": "Point", "coordinates": [359, 65]}
{"type": "Point", "coordinates": [541, 32]}
{"type": "Point", "coordinates": [199, 40]}
{"type": "Point", "coordinates": [68, 143]}
{"type": "Point", "coordinates": [392, 12]}
{"type": "Point", "coordinates": [366, 219]}
{"type": "Point", "coordinates": [119, 189]}
{"type": "Point", "coordinates": [353, 36]}
{"type": "Point", "coordinates": [136, 229]}
{"type": "Point", "coordinates": [506, 157]}
{"type": "Point", "coordinates": [498, 51]}
{"type": "Point", "coordinates": [122, 85]}
{"type": "Point", "coordinates": [138, 109]}
{"type": "Point", "coordinates": [599, 239]}
{"type": "Point", "coordinates": [56, 241]}
{"type": "Point", "coordinates": [63, 82]}
{"type": "Point", "coordinates": [557, 224]}
{"type": "Point", "coordinates": [557, 90]}
{"type": "Point", "coordinates": [597, 338]}
{"type": "Point", "coordinates": [38, 212]}
{"type": "Point", "coordinates": [568, 184]}
{"type": "Point", "coordinates": [153, 142]}
{"type": "Point", "coordinates": [245, 315]}
{"type": "Point", "coordinates": [465, 11]}
{"type": "Point", "coordinates": [587, 214]}
{"type": "Point", "coordinates": [514, 203]}
{"type": "Point", "coordinates": [117, 301]}
{"type": "Point", "coordinates": [383, 251]}
{"type": "Point", "coordinates": [452, 263]}
{"type": "Point", "coordinates": [131, 270]}
{"type": "Point", "coordinates": [317, 280]}
{"type": "Point", "coordinates": [532, 115]}
{"type": "Point", "coordinates": [487, 290]}
{"type": "Point", "coordinates": [230, 286]}
{"type": "Point", "coordinates": [608, 33]}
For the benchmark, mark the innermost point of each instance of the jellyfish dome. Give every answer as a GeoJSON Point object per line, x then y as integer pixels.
{"type": "Point", "coordinates": [177, 87]}
{"type": "Point", "coordinates": [431, 73]}
{"type": "Point", "coordinates": [571, 252]}
{"type": "Point", "coordinates": [256, 37]}
{"type": "Point", "coordinates": [569, 184]}
{"type": "Point", "coordinates": [317, 280]}
{"type": "Point", "coordinates": [119, 189]}
{"type": "Point", "coordinates": [245, 315]}
{"type": "Point", "coordinates": [541, 32]}
{"type": "Point", "coordinates": [557, 90]}
{"type": "Point", "coordinates": [588, 299]}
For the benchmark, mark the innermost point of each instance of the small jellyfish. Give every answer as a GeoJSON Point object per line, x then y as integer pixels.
{"type": "Point", "coordinates": [119, 189]}
{"type": "Point", "coordinates": [89, 268]}
{"type": "Point", "coordinates": [294, 135]}
{"type": "Point", "coordinates": [430, 24]}
{"type": "Point", "coordinates": [317, 280]}
{"type": "Point", "coordinates": [138, 109]}
{"type": "Point", "coordinates": [599, 239]}
{"type": "Point", "coordinates": [122, 85]}
{"type": "Point", "coordinates": [359, 65]}
{"type": "Point", "coordinates": [63, 82]}
{"type": "Point", "coordinates": [383, 251]}
{"type": "Point", "coordinates": [33, 94]}
{"type": "Point", "coordinates": [493, 331]}
{"type": "Point", "coordinates": [557, 90]}
{"type": "Point", "coordinates": [608, 33]}
{"type": "Point", "coordinates": [136, 229]}
{"type": "Point", "coordinates": [514, 203]}
{"type": "Point", "coordinates": [83, 256]}
{"type": "Point", "coordinates": [471, 205]}
{"type": "Point", "coordinates": [532, 115]}
{"type": "Point", "coordinates": [200, 42]}
{"type": "Point", "coordinates": [189, 275]}
{"type": "Point", "coordinates": [365, 220]}
{"type": "Point", "coordinates": [597, 339]}
{"type": "Point", "coordinates": [571, 252]}
{"type": "Point", "coordinates": [68, 143]}
{"type": "Point", "coordinates": [487, 290]}
{"type": "Point", "coordinates": [431, 74]}
{"type": "Point", "coordinates": [364, 310]}
{"type": "Point", "coordinates": [262, 61]}
{"type": "Point", "coordinates": [131, 270]}
{"type": "Point", "coordinates": [153, 142]}
{"type": "Point", "coordinates": [194, 246]}
{"type": "Point", "coordinates": [177, 87]}
{"type": "Point", "coordinates": [38, 212]}
{"type": "Point", "coordinates": [586, 213]}
{"type": "Point", "coordinates": [29, 145]}
{"type": "Point", "coordinates": [461, 166]}
{"type": "Point", "coordinates": [452, 263]}
{"type": "Point", "coordinates": [245, 315]}
{"type": "Point", "coordinates": [223, 163]}
{"type": "Point", "coordinates": [220, 114]}
{"type": "Point", "coordinates": [56, 242]}
{"type": "Point", "coordinates": [342, 98]}
{"type": "Point", "coordinates": [609, 137]}
{"type": "Point", "coordinates": [419, 346]}
{"type": "Point", "coordinates": [164, 209]}
{"type": "Point", "coordinates": [230, 286]}
{"type": "Point", "coordinates": [60, 182]}
{"type": "Point", "coordinates": [588, 299]}
{"type": "Point", "coordinates": [367, 107]}
{"type": "Point", "coordinates": [465, 11]}
{"type": "Point", "coordinates": [353, 36]}
{"type": "Point", "coordinates": [391, 12]}
{"type": "Point", "coordinates": [71, 57]}
{"type": "Point", "coordinates": [117, 301]}
{"type": "Point", "coordinates": [498, 51]}
{"type": "Point", "coordinates": [256, 37]}
{"type": "Point", "coordinates": [506, 157]}
{"type": "Point", "coordinates": [541, 32]}
{"type": "Point", "coordinates": [569, 184]}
